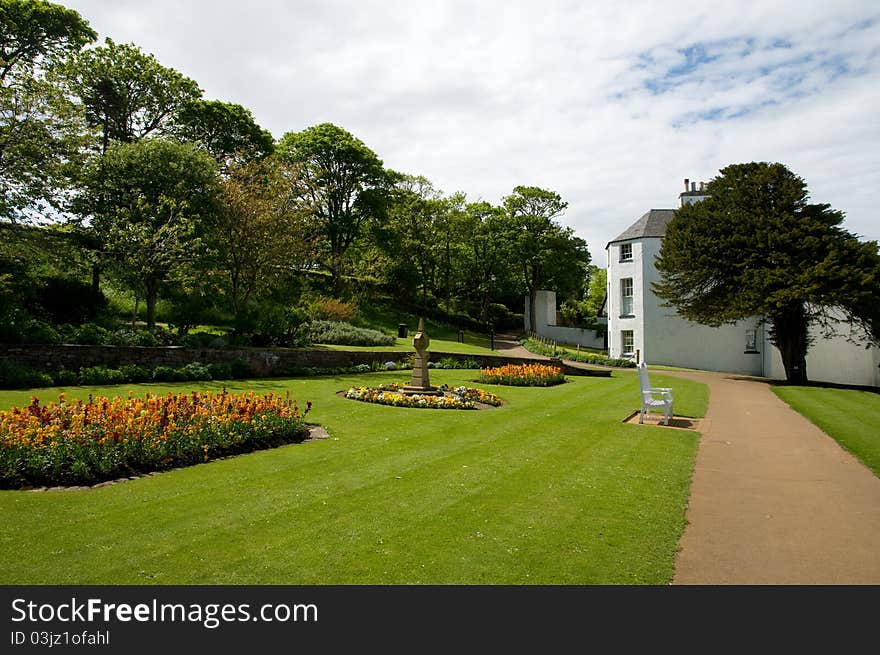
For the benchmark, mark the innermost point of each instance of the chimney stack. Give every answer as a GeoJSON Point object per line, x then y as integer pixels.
{"type": "Point", "coordinates": [701, 186]}
{"type": "Point", "coordinates": [686, 182]}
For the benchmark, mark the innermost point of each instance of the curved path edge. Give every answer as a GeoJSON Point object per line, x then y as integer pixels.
{"type": "Point", "coordinates": [774, 500]}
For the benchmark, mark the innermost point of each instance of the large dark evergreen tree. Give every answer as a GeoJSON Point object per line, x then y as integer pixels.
{"type": "Point", "coordinates": [756, 247]}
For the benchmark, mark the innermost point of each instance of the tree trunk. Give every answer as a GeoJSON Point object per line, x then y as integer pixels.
{"type": "Point", "coordinates": [533, 304]}
{"type": "Point", "coordinates": [151, 305]}
{"type": "Point", "coordinates": [789, 333]}
{"type": "Point", "coordinates": [96, 281]}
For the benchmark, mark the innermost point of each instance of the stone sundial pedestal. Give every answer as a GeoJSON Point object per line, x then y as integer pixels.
{"type": "Point", "coordinates": [421, 384]}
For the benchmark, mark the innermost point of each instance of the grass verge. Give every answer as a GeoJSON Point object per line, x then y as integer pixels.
{"type": "Point", "coordinates": [550, 489]}
{"type": "Point", "coordinates": [849, 416]}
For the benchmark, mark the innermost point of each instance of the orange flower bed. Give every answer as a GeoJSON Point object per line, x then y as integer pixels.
{"type": "Point", "coordinates": [523, 375]}
{"type": "Point", "coordinates": [66, 443]}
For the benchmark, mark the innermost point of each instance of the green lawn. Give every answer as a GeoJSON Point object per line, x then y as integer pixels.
{"type": "Point", "coordinates": [550, 489]}
{"type": "Point", "coordinates": [849, 416]}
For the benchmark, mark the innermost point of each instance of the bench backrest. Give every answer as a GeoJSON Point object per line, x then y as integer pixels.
{"type": "Point", "coordinates": [643, 377]}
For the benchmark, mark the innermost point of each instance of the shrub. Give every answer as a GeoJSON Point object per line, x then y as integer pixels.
{"type": "Point", "coordinates": [13, 376]}
{"type": "Point", "coordinates": [582, 356]}
{"type": "Point", "coordinates": [497, 314]}
{"type": "Point", "coordinates": [195, 371]}
{"type": "Point", "coordinates": [332, 309]}
{"type": "Point", "coordinates": [133, 373]}
{"type": "Point", "coordinates": [163, 336]}
{"type": "Point", "coordinates": [71, 443]}
{"type": "Point", "coordinates": [240, 368]}
{"type": "Point", "coordinates": [454, 363]}
{"type": "Point", "coordinates": [40, 332]}
{"type": "Point", "coordinates": [279, 326]}
{"type": "Point", "coordinates": [91, 335]}
{"type": "Point", "coordinates": [129, 337]}
{"type": "Point", "coordinates": [198, 340]}
{"type": "Point", "coordinates": [65, 378]}
{"type": "Point", "coordinates": [67, 300]}
{"type": "Point", "coordinates": [167, 374]}
{"type": "Point", "coordinates": [347, 335]}
{"type": "Point", "coordinates": [220, 371]}
{"type": "Point", "coordinates": [98, 375]}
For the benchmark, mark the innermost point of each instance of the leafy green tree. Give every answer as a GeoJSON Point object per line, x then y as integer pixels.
{"type": "Point", "coordinates": [756, 247]}
{"type": "Point", "coordinates": [596, 290]}
{"type": "Point", "coordinates": [38, 33]}
{"type": "Point", "coordinates": [485, 261]}
{"type": "Point", "coordinates": [346, 188]}
{"type": "Point", "coordinates": [226, 130]}
{"type": "Point", "coordinates": [41, 130]}
{"type": "Point", "coordinates": [127, 93]}
{"type": "Point", "coordinates": [414, 215]}
{"type": "Point", "coordinates": [259, 230]}
{"type": "Point", "coordinates": [546, 254]}
{"type": "Point", "coordinates": [149, 202]}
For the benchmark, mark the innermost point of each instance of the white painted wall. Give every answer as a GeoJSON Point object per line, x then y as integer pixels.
{"type": "Point", "coordinates": [545, 310]}
{"type": "Point", "coordinates": [674, 341]}
{"type": "Point", "coordinates": [663, 337]}
{"type": "Point", "coordinates": [573, 336]}
{"type": "Point", "coordinates": [546, 314]}
{"type": "Point", "coordinates": [834, 360]}
{"type": "Point", "coordinates": [618, 270]}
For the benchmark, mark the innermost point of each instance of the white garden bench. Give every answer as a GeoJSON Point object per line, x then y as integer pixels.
{"type": "Point", "coordinates": [654, 398]}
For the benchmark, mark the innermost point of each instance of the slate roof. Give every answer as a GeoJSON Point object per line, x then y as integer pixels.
{"type": "Point", "coordinates": [651, 224]}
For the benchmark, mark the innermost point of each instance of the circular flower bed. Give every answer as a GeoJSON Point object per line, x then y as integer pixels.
{"type": "Point", "coordinates": [523, 375]}
{"type": "Point", "coordinates": [455, 398]}
{"type": "Point", "coordinates": [76, 443]}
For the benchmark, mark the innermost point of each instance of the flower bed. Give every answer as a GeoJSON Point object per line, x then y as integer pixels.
{"type": "Point", "coordinates": [457, 398]}
{"type": "Point", "coordinates": [523, 375]}
{"type": "Point", "coordinates": [76, 443]}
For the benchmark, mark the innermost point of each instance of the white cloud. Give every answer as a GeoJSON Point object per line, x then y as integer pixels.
{"type": "Point", "coordinates": [480, 97]}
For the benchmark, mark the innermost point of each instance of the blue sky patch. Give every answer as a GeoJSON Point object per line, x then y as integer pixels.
{"type": "Point", "coordinates": [754, 73]}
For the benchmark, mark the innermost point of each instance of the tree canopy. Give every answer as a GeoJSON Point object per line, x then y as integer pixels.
{"type": "Point", "coordinates": [226, 130]}
{"type": "Point", "coordinates": [757, 247]}
{"type": "Point", "coordinates": [545, 253]}
{"type": "Point", "coordinates": [148, 203]}
{"type": "Point", "coordinates": [171, 197]}
{"type": "Point", "coordinates": [38, 33]}
{"type": "Point", "coordinates": [129, 95]}
{"type": "Point", "coordinates": [259, 235]}
{"type": "Point", "coordinates": [41, 130]}
{"type": "Point", "coordinates": [346, 183]}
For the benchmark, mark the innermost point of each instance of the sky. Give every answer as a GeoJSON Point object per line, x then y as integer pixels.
{"type": "Point", "coordinates": [609, 104]}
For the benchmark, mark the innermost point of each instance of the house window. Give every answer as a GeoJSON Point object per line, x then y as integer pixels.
{"type": "Point", "coordinates": [626, 297]}
{"type": "Point", "coordinates": [628, 342]}
{"type": "Point", "coordinates": [626, 252]}
{"type": "Point", "coordinates": [751, 341]}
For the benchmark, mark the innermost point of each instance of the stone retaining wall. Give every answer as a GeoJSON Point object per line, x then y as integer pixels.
{"type": "Point", "coordinates": [262, 361]}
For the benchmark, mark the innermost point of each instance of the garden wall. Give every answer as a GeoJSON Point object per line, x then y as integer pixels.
{"type": "Point", "coordinates": [262, 361]}
{"type": "Point", "coordinates": [545, 315]}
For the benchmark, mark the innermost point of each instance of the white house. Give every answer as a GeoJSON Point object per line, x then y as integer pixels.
{"type": "Point", "coordinates": [637, 321]}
